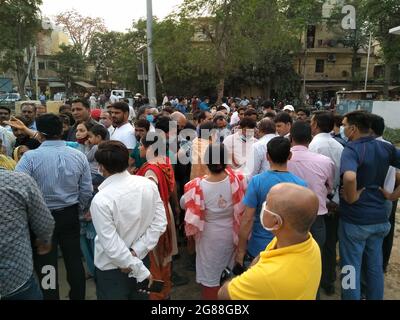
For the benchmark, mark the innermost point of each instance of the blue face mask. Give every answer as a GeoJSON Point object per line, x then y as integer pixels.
{"type": "Point", "coordinates": [150, 118]}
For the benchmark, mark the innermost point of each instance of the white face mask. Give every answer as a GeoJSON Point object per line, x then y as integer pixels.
{"type": "Point", "coordinates": [342, 134]}
{"type": "Point", "coordinates": [263, 209]}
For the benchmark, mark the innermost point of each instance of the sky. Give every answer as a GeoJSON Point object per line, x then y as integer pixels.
{"type": "Point", "coordinates": [117, 14]}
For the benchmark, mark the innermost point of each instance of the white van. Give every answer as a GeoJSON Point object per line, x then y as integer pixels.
{"type": "Point", "coordinates": [124, 94]}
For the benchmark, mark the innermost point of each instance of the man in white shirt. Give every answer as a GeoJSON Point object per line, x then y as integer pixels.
{"type": "Point", "coordinates": [114, 98]}
{"type": "Point", "coordinates": [240, 144]}
{"type": "Point", "coordinates": [124, 131]}
{"type": "Point", "coordinates": [125, 232]}
{"type": "Point", "coordinates": [267, 129]}
{"type": "Point", "coordinates": [283, 123]}
{"type": "Point", "coordinates": [322, 123]}
{"type": "Point", "coordinates": [378, 128]}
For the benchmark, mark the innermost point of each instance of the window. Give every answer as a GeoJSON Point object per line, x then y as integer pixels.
{"type": "Point", "coordinates": [52, 65]}
{"type": "Point", "coordinates": [358, 63]}
{"type": "Point", "coordinates": [42, 66]}
{"type": "Point", "coordinates": [319, 65]}
{"type": "Point", "coordinates": [310, 36]}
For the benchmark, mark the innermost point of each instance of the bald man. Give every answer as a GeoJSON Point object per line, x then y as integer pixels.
{"type": "Point", "coordinates": [290, 267]}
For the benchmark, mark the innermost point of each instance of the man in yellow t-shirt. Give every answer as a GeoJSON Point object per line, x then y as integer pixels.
{"type": "Point", "coordinates": [290, 267]}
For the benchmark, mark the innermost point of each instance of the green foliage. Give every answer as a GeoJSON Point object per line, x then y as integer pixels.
{"type": "Point", "coordinates": [104, 51]}
{"type": "Point", "coordinates": [71, 65]}
{"type": "Point", "coordinates": [19, 23]}
{"type": "Point", "coordinates": [392, 135]}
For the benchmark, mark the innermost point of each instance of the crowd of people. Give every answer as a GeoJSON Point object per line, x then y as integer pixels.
{"type": "Point", "coordinates": [261, 193]}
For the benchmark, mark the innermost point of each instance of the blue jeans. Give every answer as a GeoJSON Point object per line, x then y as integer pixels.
{"type": "Point", "coordinates": [29, 291]}
{"type": "Point", "coordinates": [354, 242]}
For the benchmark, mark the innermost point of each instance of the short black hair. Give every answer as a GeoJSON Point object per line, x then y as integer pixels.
{"type": "Point", "coordinates": [143, 123]}
{"type": "Point", "coordinates": [50, 125]}
{"type": "Point", "coordinates": [5, 108]}
{"type": "Point", "coordinates": [64, 107]}
{"type": "Point", "coordinates": [221, 108]}
{"type": "Point", "coordinates": [123, 106]}
{"type": "Point", "coordinates": [113, 156]}
{"type": "Point", "coordinates": [301, 132]}
{"type": "Point", "coordinates": [267, 104]}
{"type": "Point", "coordinates": [283, 117]}
{"type": "Point", "coordinates": [247, 123]}
{"type": "Point", "coordinates": [250, 112]}
{"type": "Point", "coordinates": [360, 119]}
{"type": "Point", "coordinates": [305, 110]}
{"type": "Point", "coordinates": [338, 120]}
{"type": "Point", "coordinates": [84, 102]}
{"type": "Point", "coordinates": [196, 115]}
{"type": "Point", "coordinates": [162, 123]}
{"type": "Point", "coordinates": [270, 115]}
{"type": "Point", "coordinates": [32, 104]}
{"type": "Point", "coordinates": [325, 121]}
{"type": "Point", "coordinates": [65, 119]}
{"type": "Point", "coordinates": [209, 126]}
{"type": "Point", "coordinates": [168, 109]}
{"type": "Point", "coordinates": [241, 108]}
{"type": "Point", "coordinates": [278, 149]}
{"type": "Point", "coordinates": [149, 139]}
{"type": "Point", "coordinates": [216, 157]}
{"type": "Point", "coordinates": [377, 125]}
{"type": "Point", "coordinates": [99, 130]}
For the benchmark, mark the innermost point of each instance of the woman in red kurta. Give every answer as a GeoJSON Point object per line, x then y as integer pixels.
{"type": "Point", "coordinates": [158, 168]}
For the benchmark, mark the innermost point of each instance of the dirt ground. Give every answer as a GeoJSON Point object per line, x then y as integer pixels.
{"type": "Point", "coordinates": [191, 291]}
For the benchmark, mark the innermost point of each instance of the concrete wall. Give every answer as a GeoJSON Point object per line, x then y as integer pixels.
{"type": "Point", "coordinates": [388, 110]}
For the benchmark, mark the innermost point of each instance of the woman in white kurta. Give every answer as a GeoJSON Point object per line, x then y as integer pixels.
{"type": "Point", "coordinates": [213, 210]}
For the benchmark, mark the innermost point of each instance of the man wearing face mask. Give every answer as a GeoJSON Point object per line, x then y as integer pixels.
{"type": "Point", "coordinates": [363, 221]}
{"type": "Point", "coordinates": [278, 154]}
{"type": "Point", "coordinates": [290, 267]}
{"type": "Point", "coordinates": [240, 144]}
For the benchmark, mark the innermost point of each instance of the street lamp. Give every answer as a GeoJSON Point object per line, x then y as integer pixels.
{"type": "Point", "coordinates": [141, 50]}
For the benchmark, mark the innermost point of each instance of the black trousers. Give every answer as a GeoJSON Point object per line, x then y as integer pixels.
{"type": "Point", "coordinates": [329, 250]}
{"type": "Point", "coordinates": [66, 235]}
{"type": "Point", "coordinates": [388, 241]}
{"type": "Point", "coordinates": [115, 285]}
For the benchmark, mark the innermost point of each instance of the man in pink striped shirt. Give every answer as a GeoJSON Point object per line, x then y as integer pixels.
{"type": "Point", "coordinates": [317, 170]}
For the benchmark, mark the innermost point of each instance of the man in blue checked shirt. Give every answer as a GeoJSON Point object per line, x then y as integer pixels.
{"type": "Point", "coordinates": [63, 176]}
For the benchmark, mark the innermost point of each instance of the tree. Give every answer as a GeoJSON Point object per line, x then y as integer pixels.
{"type": "Point", "coordinates": [70, 65]}
{"type": "Point", "coordinates": [19, 24]}
{"type": "Point", "coordinates": [219, 21]}
{"type": "Point", "coordinates": [382, 15]}
{"type": "Point", "coordinates": [104, 51]}
{"type": "Point", "coordinates": [81, 29]}
{"type": "Point", "coordinates": [354, 39]}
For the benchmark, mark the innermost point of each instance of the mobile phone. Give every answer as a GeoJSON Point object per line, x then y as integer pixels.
{"type": "Point", "coordinates": [156, 287]}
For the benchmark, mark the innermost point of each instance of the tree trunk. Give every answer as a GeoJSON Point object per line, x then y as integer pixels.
{"type": "Point", "coordinates": [354, 69]}
{"type": "Point", "coordinates": [21, 76]}
{"type": "Point", "coordinates": [388, 77]}
{"type": "Point", "coordinates": [220, 89]}
{"type": "Point", "coordinates": [221, 78]}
